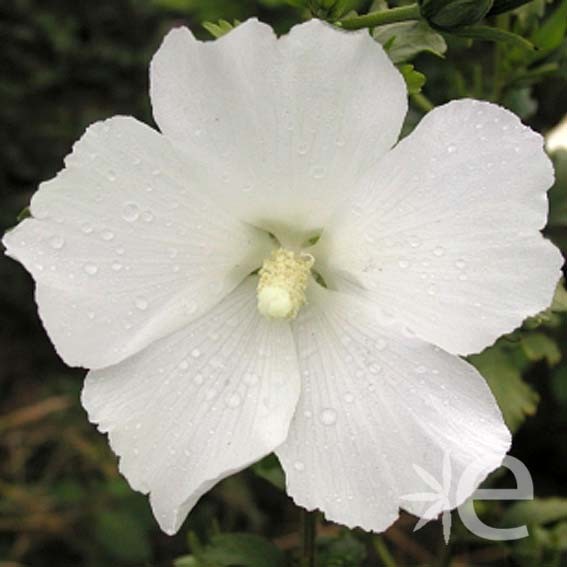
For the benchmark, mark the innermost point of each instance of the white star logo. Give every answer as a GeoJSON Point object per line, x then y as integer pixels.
{"type": "Point", "coordinates": [439, 497]}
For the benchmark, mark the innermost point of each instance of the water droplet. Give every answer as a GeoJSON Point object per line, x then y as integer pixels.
{"type": "Point", "coordinates": [87, 228]}
{"type": "Point", "coordinates": [111, 176]}
{"type": "Point", "coordinates": [120, 251]}
{"type": "Point", "coordinates": [302, 149]}
{"type": "Point", "coordinates": [107, 235]}
{"type": "Point", "coordinates": [116, 266]}
{"type": "Point", "coordinates": [403, 264]}
{"type": "Point", "coordinates": [414, 241]}
{"type": "Point", "coordinates": [141, 303]}
{"type": "Point", "coordinates": [195, 353]}
{"type": "Point", "coordinates": [451, 149]}
{"type": "Point", "coordinates": [130, 212]}
{"type": "Point", "coordinates": [374, 368]}
{"type": "Point", "coordinates": [233, 401]}
{"type": "Point", "coordinates": [463, 277]}
{"type": "Point", "coordinates": [432, 289]}
{"type": "Point", "coordinates": [318, 172]}
{"type": "Point", "coordinates": [56, 242]}
{"type": "Point", "coordinates": [460, 264]}
{"type": "Point", "coordinates": [147, 216]}
{"type": "Point", "coordinates": [156, 172]}
{"type": "Point", "coordinates": [328, 416]}
{"type": "Point", "coordinates": [349, 398]}
{"type": "Point", "coordinates": [91, 269]}
{"type": "Point", "coordinates": [183, 365]}
{"type": "Point", "coordinates": [298, 466]}
{"type": "Point", "coordinates": [439, 251]}
{"type": "Point", "coordinates": [420, 370]}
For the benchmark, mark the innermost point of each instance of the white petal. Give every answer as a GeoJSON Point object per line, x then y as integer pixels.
{"type": "Point", "coordinates": [285, 126]}
{"type": "Point", "coordinates": [125, 246]}
{"type": "Point", "coordinates": [198, 405]}
{"type": "Point", "coordinates": [446, 238]}
{"type": "Point", "coordinates": [374, 405]}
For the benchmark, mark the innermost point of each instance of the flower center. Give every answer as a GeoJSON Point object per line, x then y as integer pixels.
{"type": "Point", "coordinates": [281, 288]}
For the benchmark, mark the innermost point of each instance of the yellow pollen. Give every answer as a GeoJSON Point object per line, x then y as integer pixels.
{"type": "Point", "coordinates": [281, 287]}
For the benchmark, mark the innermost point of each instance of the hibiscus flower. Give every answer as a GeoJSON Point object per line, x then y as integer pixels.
{"type": "Point", "coordinates": [270, 272]}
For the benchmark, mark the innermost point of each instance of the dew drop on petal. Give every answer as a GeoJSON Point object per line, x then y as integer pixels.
{"type": "Point", "coordinates": [403, 264]}
{"type": "Point", "coordinates": [116, 266]}
{"type": "Point", "coordinates": [183, 365]}
{"type": "Point", "coordinates": [141, 303]}
{"type": "Point", "coordinates": [298, 466]}
{"type": "Point", "coordinates": [91, 269]}
{"type": "Point", "coordinates": [130, 212]}
{"type": "Point", "coordinates": [86, 228]}
{"type": "Point", "coordinates": [328, 416]}
{"type": "Point", "coordinates": [233, 401]}
{"type": "Point", "coordinates": [107, 235]}
{"type": "Point", "coordinates": [57, 242]}
{"type": "Point", "coordinates": [460, 264]}
{"type": "Point", "coordinates": [195, 353]}
{"type": "Point", "coordinates": [348, 398]}
{"type": "Point", "coordinates": [318, 172]}
{"type": "Point", "coordinates": [439, 251]}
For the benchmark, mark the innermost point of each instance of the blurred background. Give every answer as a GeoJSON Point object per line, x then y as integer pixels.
{"type": "Point", "coordinates": [67, 63]}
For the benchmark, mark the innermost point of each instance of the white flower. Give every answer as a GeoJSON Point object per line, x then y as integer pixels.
{"type": "Point", "coordinates": [145, 251]}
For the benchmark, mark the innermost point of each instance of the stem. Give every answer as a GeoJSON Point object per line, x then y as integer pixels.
{"type": "Point", "coordinates": [401, 14]}
{"type": "Point", "coordinates": [422, 102]}
{"type": "Point", "coordinates": [383, 552]}
{"type": "Point", "coordinates": [309, 529]}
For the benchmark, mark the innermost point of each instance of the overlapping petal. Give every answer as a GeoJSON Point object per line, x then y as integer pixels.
{"type": "Point", "coordinates": [446, 238]}
{"type": "Point", "coordinates": [374, 403]}
{"type": "Point", "coordinates": [284, 126]}
{"type": "Point", "coordinates": [198, 405]}
{"type": "Point", "coordinates": [125, 245]}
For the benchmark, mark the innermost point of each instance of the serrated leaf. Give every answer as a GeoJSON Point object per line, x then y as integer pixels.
{"type": "Point", "coordinates": [539, 511]}
{"type": "Point", "coordinates": [405, 40]}
{"type": "Point", "coordinates": [538, 346]}
{"type": "Point", "coordinates": [516, 399]}
{"type": "Point", "coordinates": [414, 79]}
{"type": "Point", "coordinates": [244, 550]}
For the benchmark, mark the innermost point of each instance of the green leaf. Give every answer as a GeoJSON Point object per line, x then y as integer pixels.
{"type": "Point", "coordinates": [221, 28]}
{"type": "Point", "coordinates": [414, 79]}
{"type": "Point", "coordinates": [501, 6]}
{"type": "Point", "coordinates": [486, 33]}
{"type": "Point", "coordinates": [343, 551]}
{"type": "Point", "coordinates": [559, 384]}
{"type": "Point", "coordinates": [539, 511]}
{"type": "Point", "coordinates": [122, 535]}
{"type": "Point", "coordinates": [244, 550]}
{"type": "Point", "coordinates": [516, 399]}
{"type": "Point", "coordinates": [521, 102]}
{"type": "Point", "coordinates": [269, 469]}
{"type": "Point", "coordinates": [551, 34]}
{"type": "Point", "coordinates": [538, 346]}
{"type": "Point", "coordinates": [404, 40]}
{"type": "Point", "coordinates": [25, 213]}
{"type": "Point", "coordinates": [451, 14]}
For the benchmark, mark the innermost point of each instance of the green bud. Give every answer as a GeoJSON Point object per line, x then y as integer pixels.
{"type": "Point", "coordinates": [450, 15]}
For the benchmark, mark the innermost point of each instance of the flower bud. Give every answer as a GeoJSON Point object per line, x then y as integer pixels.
{"type": "Point", "coordinates": [450, 15]}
